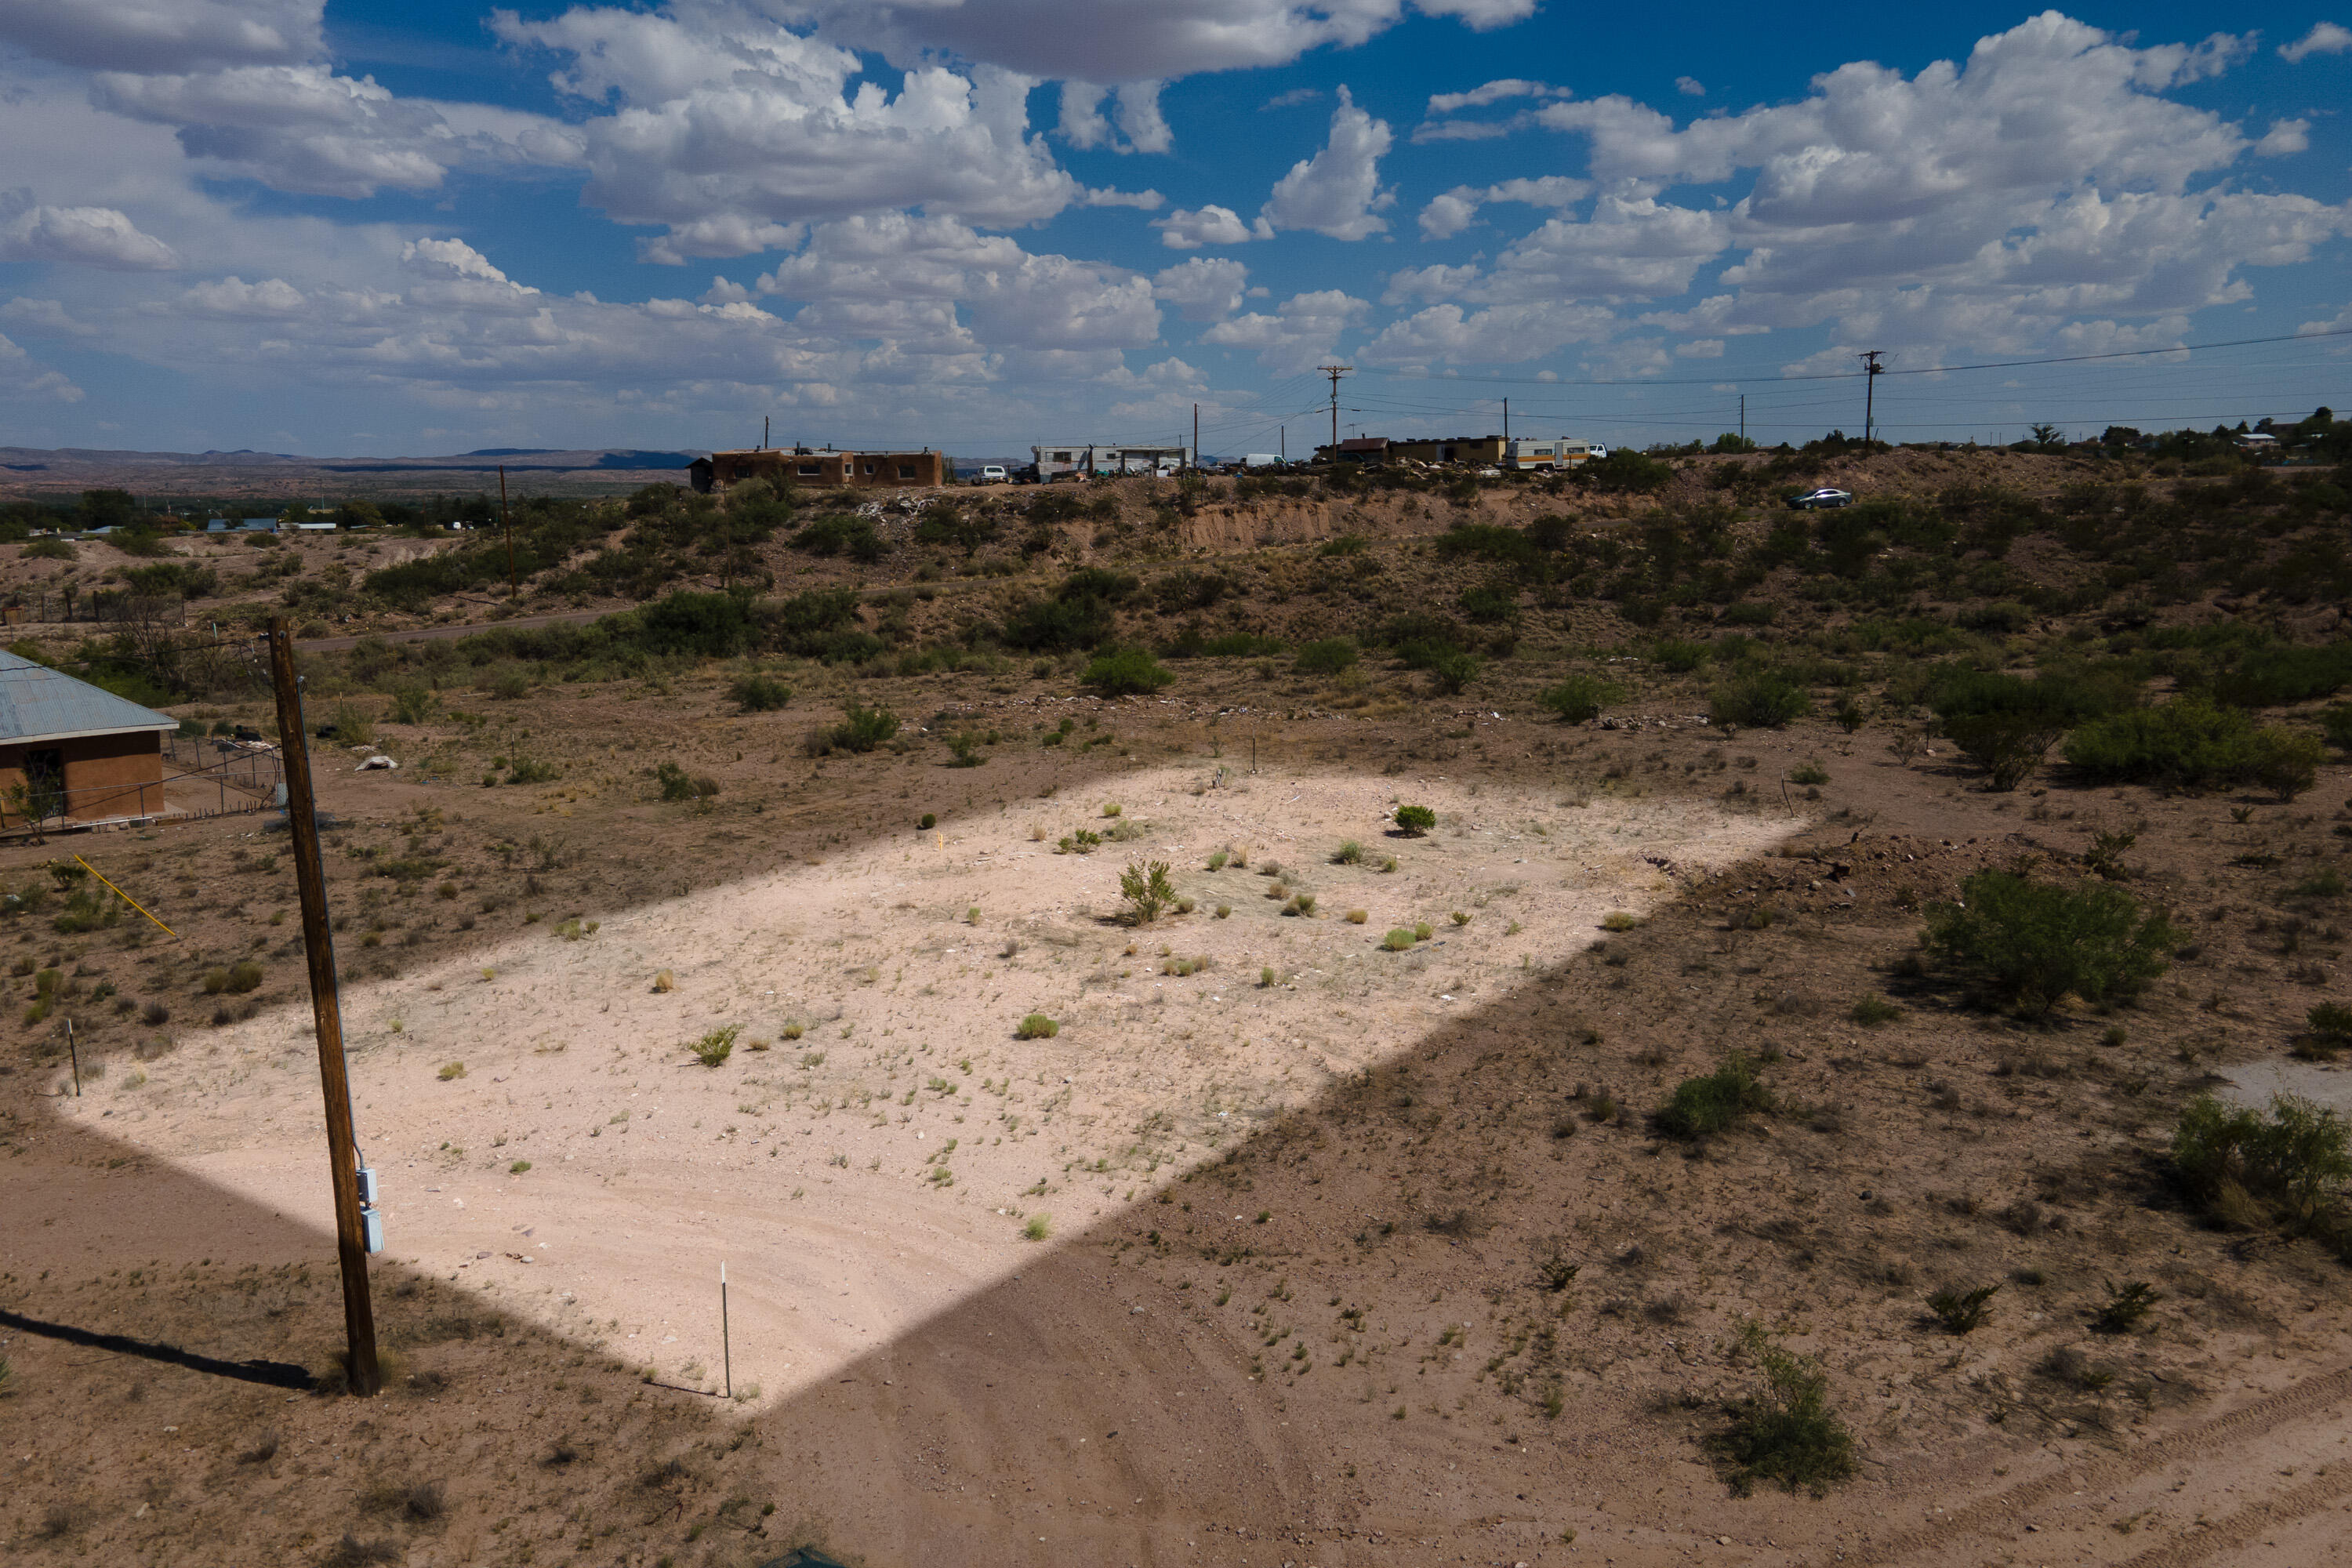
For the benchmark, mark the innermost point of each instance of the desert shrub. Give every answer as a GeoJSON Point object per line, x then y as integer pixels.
{"type": "Point", "coordinates": [1452, 670]}
{"type": "Point", "coordinates": [837, 535]}
{"type": "Point", "coordinates": [413, 704]}
{"type": "Point", "coordinates": [2031, 944]}
{"type": "Point", "coordinates": [1328, 656]}
{"type": "Point", "coordinates": [1349, 854]}
{"type": "Point", "coordinates": [760, 694]}
{"type": "Point", "coordinates": [1415, 821]}
{"type": "Point", "coordinates": [2330, 1032]}
{"type": "Point", "coordinates": [1397, 941]}
{"type": "Point", "coordinates": [1623, 470]}
{"type": "Point", "coordinates": [2335, 720]}
{"type": "Point", "coordinates": [2281, 673]}
{"type": "Point", "coordinates": [1784, 1431]}
{"type": "Point", "coordinates": [716, 1046]}
{"type": "Point", "coordinates": [451, 1071]}
{"type": "Point", "coordinates": [1871, 1009]}
{"type": "Point", "coordinates": [1580, 699]}
{"type": "Point", "coordinates": [2237, 1161]}
{"type": "Point", "coordinates": [1702, 1107]}
{"type": "Point", "coordinates": [1037, 1026]}
{"type": "Point", "coordinates": [1146, 889]}
{"type": "Point", "coordinates": [861, 729]}
{"type": "Point", "coordinates": [1961, 1311]}
{"type": "Point", "coordinates": [1127, 671]}
{"type": "Point", "coordinates": [352, 726]}
{"type": "Point", "coordinates": [677, 783]}
{"type": "Point", "coordinates": [2191, 743]}
{"type": "Point", "coordinates": [2125, 1305]}
{"type": "Point", "coordinates": [1760, 701]}
{"type": "Point", "coordinates": [1040, 1226]}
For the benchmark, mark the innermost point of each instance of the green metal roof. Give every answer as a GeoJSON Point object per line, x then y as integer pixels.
{"type": "Point", "coordinates": [37, 704]}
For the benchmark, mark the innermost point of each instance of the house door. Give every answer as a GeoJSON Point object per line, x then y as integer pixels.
{"type": "Point", "coordinates": [45, 783]}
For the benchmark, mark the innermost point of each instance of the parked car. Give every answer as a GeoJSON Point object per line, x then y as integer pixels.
{"type": "Point", "coordinates": [993, 474]}
{"type": "Point", "coordinates": [1808, 501]}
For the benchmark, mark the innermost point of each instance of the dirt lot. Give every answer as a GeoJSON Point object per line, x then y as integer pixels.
{"type": "Point", "coordinates": [1315, 1254]}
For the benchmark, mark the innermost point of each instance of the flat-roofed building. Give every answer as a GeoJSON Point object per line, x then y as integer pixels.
{"type": "Point", "coordinates": [824, 470]}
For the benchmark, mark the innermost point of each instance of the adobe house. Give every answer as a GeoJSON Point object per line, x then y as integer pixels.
{"type": "Point", "coordinates": [827, 469]}
{"type": "Point", "coordinates": [80, 754]}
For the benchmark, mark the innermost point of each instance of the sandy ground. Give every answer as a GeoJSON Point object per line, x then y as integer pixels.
{"type": "Point", "coordinates": [884, 1165]}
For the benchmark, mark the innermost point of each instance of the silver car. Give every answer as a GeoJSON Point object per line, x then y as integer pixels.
{"type": "Point", "coordinates": [1813, 500]}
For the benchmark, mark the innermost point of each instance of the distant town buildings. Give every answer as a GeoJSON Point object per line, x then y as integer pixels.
{"type": "Point", "coordinates": [1065, 457]}
{"type": "Point", "coordinates": [820, 469]}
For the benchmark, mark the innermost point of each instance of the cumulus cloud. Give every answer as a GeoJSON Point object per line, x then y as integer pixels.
{"type": "Point", "coordinates": [235, 298]}
{"type": "Point", "coordinates": [1141, 129]}
{"type": "Point", "coordinates": [1690, 87]}
{"type": "Point", "coordinates": [25, 382]}
{"type": "Point", "coordinates": [1203, 289]}
{"type": "Point", "coordinates": [2284, 137]}
{"type": "Point", "coordinates": [1455, 211]}
{"type": "Point", "coordinates": [2324, 38]}
{"type": "Point", "coordinates": [1502, 335]}
{"type": "Point", "coordinates": [86, 236]}
{"type": "Point", "coordinates": [1086, 41]}
{"type": "Point", "coordinates": [1337, 190]}
{"type": "Point", "coordinates": [1303, 330]}
{"type": "Point", "coordinates": [727, 127]}
{"type": "Point", "coordinates": [1189, 229]}
{"type": "Point", "coordinates": [162, 34]}
{"type": "Point", "coordinates": [45, 318]}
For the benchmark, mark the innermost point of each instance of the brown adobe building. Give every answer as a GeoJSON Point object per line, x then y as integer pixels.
{"type": "Point", "coordinates": [827, 469]}
{"type": "Point", "coordinates": [73, 754]}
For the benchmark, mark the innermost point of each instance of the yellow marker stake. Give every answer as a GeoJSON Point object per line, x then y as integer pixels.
{"type": "Point", "coordinates": [126, 898]}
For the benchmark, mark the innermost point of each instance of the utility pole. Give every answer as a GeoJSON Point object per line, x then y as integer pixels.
{"type": "Point", "coordinates": [764, 418]}
{"type": "Point", "coordinates": [1282, 435]}
{"type": "Point", "coordinates": [506, 521]}
{"type": "Point", "coordinates": [1507, 426]}
{"type": "Point", "coordinates": [1743, 419]}
{"type": "Point", "coordinates": [1870, 370]}
{"type": "Point", "coordinates": [1196, 436]}
{"type": "Point", "coordinates": [326, 1011]}
{"type": "Point", "coordinates": [1335, 371]}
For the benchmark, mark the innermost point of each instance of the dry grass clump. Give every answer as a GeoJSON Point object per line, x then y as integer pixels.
{"type": "Point", "coordinates": [1037, 1026]}
{"type": "Point", "coordinates": [665, 981]}
{"type": "Point", "coordinates": [451, 1071]}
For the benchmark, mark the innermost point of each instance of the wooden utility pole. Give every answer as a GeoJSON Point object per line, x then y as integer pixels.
{"type": "Point", "coordinates": [1196, 438]}
{"type": "Point", "coordinates": [506, 521]}
{"type": "Point", "coordinates": [1870, 370]}
{"type": "Point", "coordinates": [326, 1011]}
{"type": "Point", "coordinates": [1335, 371]}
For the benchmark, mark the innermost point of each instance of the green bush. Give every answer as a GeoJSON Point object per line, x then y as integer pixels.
{"type": "Point", "coordinates": [1037, 1026]}
{"type": "Point", "coordinates": [1760, 701]}
{"type": "Point", "coordinates": [1784, 1431]}
{"type": "Point", "coordinates": [760, 694]}
{"type": "Point", "coordinates": [716, 1046]}
{"type": "Point", "coordinates": [2244, 1167]}
{"type": "Point", "coordinates": [2191, 743]}
{"type": "Point", "coordinates": [1127, 671]}
{"type": "Point", "coordinates": [2031, 944]}
{"type": "Point", "coordinates": [677, 783]}
{"type": "Point", "coordinates": [1397, 941]}
{"type": "Point", "coordinates": [1963, 1312]}
{"type": "Point", "coordinates": [1452, 670]}
{"type": "Point", "coordinates": [861, 729]}
{"type": "Point", "coordinates": [1328, 656]}
{"type": "Point", "coordinates": [1415, 821]}
{"type": "Point", "coordinates": [2335, 720]}
{"type": "Point", "coordinates": [1146, 890]}
{"type": "Point", "coordinates": [1580, 699]}
{"type": "Point", "coordinates": [1702, 1107]}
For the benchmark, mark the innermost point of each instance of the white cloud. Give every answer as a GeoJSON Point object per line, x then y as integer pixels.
{"type": "Point", "coordinates": [1455, 211]}
{"type": "Point", "coordinates": [1492, 92]}
{"type": "Point", "coordinates": [1337, 190]}
{"type": "Point", "coordinates": [1087, 41]}
{"type": "Point", "coordinates": [1700, 347]}
{"type": "Point", "coordinates": [1503, 334]}
{"type": "Point", "coordinates": [233, 297]}
{"type": "Point", "coordinates": [32, 384]}
{"type": "Point", "coordinates": [1291, 99]}
{"type": "Point", "coordinates": [727, 127]}
{"type": "Point", "coordinates": [2324, 38]}
{"type": "Point", "coordinates": [1302, 330]}
{"type": "Point", "coordinates": [1203, 289]}
{"type": "Point", "coordinates": [45, 318]}
{"type": "Point", "coordinates": [2284, 137]}
{"type": "Point", "coordinates": [1186, 229]}
{"type": "Point", "coordinates": [1141, 127]}
{"type": "Point", "coordinates": [162, 34]}
{"type": "Point", "coordinates": [88, 237]}
{"type": "Point", "coordinates": [1690, 87]}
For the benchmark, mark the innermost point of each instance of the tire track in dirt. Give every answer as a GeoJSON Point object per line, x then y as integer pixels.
{"type": "Point", "coordinates": [2288, 1405]}
{"type": "Point", "coordinates": [2242, 1527]}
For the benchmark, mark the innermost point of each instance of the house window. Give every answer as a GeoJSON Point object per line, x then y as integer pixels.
{"type": "Point", "coordinates": [906, 470]}
{"type": "Point", "coordinates": [809, 469]}
{"type": "Point", "coordinates": [1061, 456]}
{"type": "Point", "coordinates": [869, 468]}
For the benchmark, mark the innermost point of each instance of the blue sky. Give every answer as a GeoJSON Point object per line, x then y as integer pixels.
{"type": "Point", "coordinates": [439, 226]}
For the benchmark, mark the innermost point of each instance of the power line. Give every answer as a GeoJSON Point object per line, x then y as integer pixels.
{"type": "Point", "coordinates": [1856, 375]}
